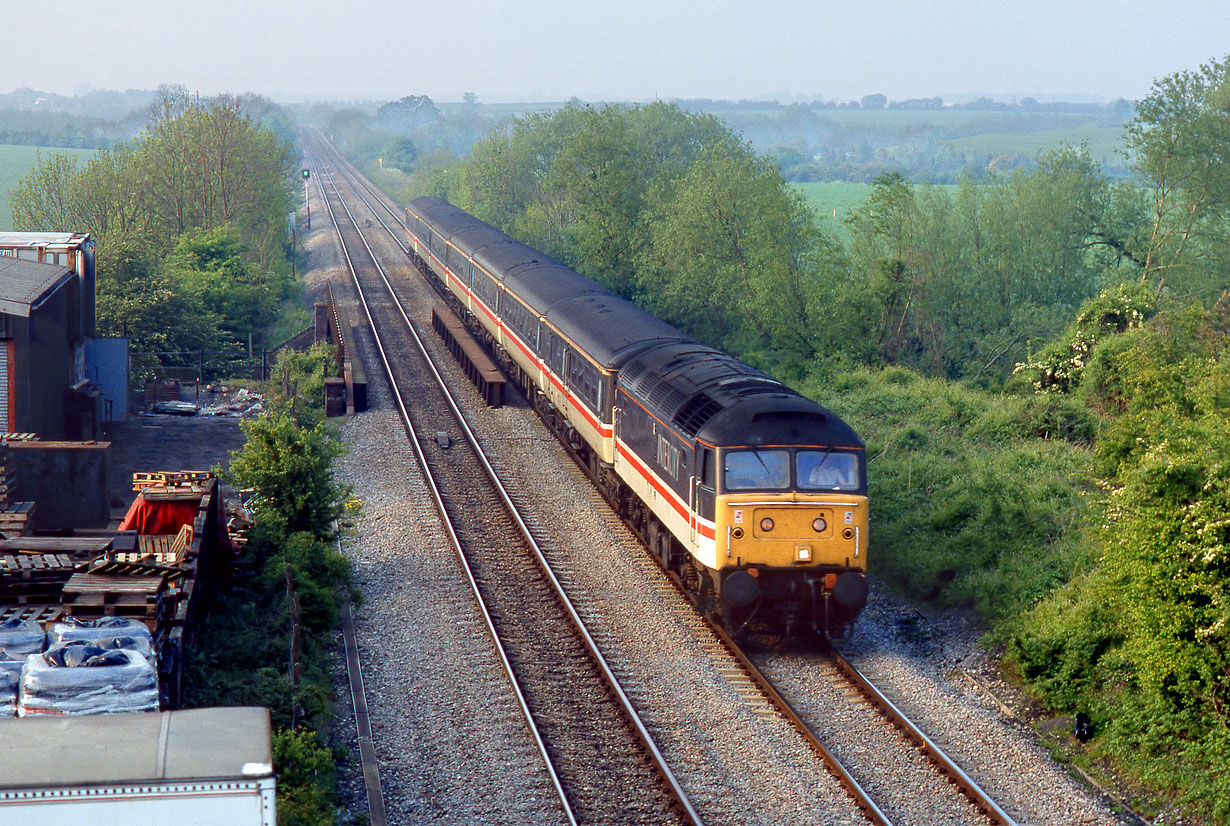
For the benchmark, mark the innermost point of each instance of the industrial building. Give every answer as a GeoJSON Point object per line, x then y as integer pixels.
{"type": "Point", "coordinates": [56, 379]}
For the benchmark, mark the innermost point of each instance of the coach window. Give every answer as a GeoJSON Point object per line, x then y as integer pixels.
{"type": "Point", "coordinates": [555, 353]}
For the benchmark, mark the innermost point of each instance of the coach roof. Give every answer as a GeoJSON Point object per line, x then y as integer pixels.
{"type": "Point", "coordinates": [610, 329]}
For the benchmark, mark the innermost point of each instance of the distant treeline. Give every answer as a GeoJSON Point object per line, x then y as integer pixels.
{"type": "Point", "coordinates": [819, 140]}
{"type": "Point", "coordinates": [1119, 108]}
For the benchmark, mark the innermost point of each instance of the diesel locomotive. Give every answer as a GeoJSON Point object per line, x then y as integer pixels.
{"type": "Point", "coordinates": [755, 496]}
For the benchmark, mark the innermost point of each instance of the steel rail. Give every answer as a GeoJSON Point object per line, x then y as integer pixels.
{"type": "Point", "coordinates": [413, 438]}
{"type": "Point", "coordinates": [861, 798]}
{"type": "Point", "coordinates": [968, 786]}
{"type": "Point", "coordinates": [687, 809]}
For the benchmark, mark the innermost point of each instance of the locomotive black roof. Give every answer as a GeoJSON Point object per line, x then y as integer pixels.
{"type": "Point", "coordinates": [713, 396]}
{"type": "Point", "coordinates": [778, 419]}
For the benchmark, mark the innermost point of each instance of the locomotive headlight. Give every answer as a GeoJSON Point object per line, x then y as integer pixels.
{"type": "Point", "coordinates": [819, 525]}
{"type": "Point", "coordinates": [766, 524]}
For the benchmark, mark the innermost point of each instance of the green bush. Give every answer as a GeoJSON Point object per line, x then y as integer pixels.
{"type": "Point", "coordinates": [307, 778]}
{"type": "Point", "coordinates": [290, 468]}
{"type": "Point", "coordinates": [972, 493]}
{"type": "Point", "coordinates": [1143, 641]}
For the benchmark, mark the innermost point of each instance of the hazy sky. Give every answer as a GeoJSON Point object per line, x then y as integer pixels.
{"type": "Point", "coordinates": [615, 50]}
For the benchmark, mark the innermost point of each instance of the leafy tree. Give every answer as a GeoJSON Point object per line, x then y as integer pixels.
{"type": "Point", "coordinates": [576, 182]}
{"type": "Point", "coordinates": [400, 153]}
{"type": "Point", "coordinates": [965, 281]}
{"type": "Point", "coordinates": [408, 113]}
{"type": "Point", "coordinates": [1060, 367]}
{"type": "Point", "coordinates": [1178, 141]}
{"type": "Point", "coordinates": [298, 381]}
{"type": "Point", "coordinates": [213, 265]}
{"type": "Point", "coordinates": [735, 257]}
{"type": "Point", "coordinates": [307, 779]}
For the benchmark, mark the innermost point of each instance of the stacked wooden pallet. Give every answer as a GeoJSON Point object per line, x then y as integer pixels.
{"type": "Point", "coordinates": [45, 614]}
{"type": "Point", "coordinates": [17, 518]}
{"type": "Point", "coordinates": [171, 479]}
{"type": "Point", "coordinates": [111, 588]}
{"type": "Point", "coordinates": [8, 481]}
{"type": "Point", "coordinates": [159, 549]}
{"type": "Point", "coordinates": [34, 579]}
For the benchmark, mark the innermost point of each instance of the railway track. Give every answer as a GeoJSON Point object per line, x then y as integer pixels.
{"type": "Point", "coordinates": [573, 705]}
{"type": "Point", "coordinates": [751, 683]}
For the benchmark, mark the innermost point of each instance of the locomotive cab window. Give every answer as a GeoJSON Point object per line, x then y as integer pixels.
{"type": "Point", "coordinates": [708, 469]}
{"type": "Point", "coordinates": [827, 470]}
{"type": "Point", "coordinates": [756, 470]}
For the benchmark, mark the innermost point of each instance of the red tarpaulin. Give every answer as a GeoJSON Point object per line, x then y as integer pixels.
{"type": "Point", "coordinates": [162, 516]}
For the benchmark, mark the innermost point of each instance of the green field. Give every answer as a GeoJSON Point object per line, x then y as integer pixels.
{"type": "Point", "coordinates": [832, 201]}
{"type": "Point", "coordinates": [1106, 143]}
{"type": "Point", "coordinates": [16, 162]}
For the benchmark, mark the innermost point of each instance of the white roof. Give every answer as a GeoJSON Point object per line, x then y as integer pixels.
{"type": "Point", "coordinates": [107, 749]}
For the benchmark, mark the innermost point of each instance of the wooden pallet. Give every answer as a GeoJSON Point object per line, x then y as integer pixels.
{"type": "Point", "coordinates": [118, 568]}
{"type": "Point", "coordinates": [45, 614]}
{"type": "Point", "coordinates": [29, 579]}
{"type": "Point", "coordinates": [16, 517]}
{"type": "Point", "coordinates": [77, 546]}
{"type": "Point", "coordinates": [28, 566]}
{"type": "Point", "coordinates": [161, 549]}
{"type": "Point", "coordinates": [170, 478]}
{"type": "Point", "coordinates": [177, 493]}
{"type": "Point", "coordinates": [105, 595]}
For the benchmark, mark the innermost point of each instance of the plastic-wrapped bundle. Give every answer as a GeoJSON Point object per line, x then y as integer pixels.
{"type": "Point", "coordinates": [106, 628]}
{"type": "Point", "coordinates": [10, 676]}
{"type": "Point", "coordinates": [19, 638]}
{"type": "Point", "coordinates": [86, 679]}
{"type": "Point", "coordinates": [138, 643]}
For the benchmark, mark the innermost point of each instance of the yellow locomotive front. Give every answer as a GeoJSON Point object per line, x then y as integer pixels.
{"type": "Point", "coordinates": [791, 536]}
